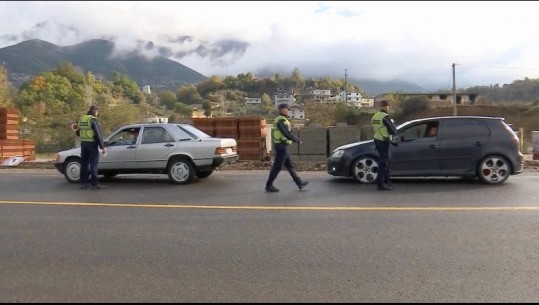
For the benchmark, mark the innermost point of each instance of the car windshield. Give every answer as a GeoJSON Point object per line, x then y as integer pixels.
{"type": "Point", "coordinates": [399, 127]}
{"type": "Point", "coordinates": [193, 131]}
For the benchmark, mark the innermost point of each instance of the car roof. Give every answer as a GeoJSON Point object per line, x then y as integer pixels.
{"type": "Point", "coordinates": [475, 117]}
{"type": "Point", "coordinates": [152, 125]}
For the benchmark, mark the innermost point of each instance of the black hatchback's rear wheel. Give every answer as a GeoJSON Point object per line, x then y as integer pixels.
{"type": "Point", "coordinates": [365, 169]}
{"type": "Point", "coordinates": [494, 169]}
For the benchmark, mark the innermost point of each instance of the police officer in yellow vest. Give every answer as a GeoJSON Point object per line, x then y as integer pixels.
{"type": "Point", "coordinates": [384, 129]}
{"type": "Point", "coordinates": [91, 140]}
{"type": "Point", "coordinates": [282, 138]}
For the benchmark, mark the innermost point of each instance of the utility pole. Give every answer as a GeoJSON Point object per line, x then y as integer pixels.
{"type": "Point", "coordinates": [345, 85]}
{"type": "Point", "coordinates": [223, 100]}
{"type": "Point", "coordinates": [454, 93]}
{"type": "Point", "coordinates": [89, 87]}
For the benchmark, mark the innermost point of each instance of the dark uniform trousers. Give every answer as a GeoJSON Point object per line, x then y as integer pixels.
{"type": "Point", "coordinates": [282, 158]}
{"type": "Point", "coordinates": [89, 159]}
{"type": "Point", "coordinates": [385, 161]}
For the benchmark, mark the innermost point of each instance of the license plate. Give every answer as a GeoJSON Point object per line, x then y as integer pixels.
{"type": "Point", "coordinates": [228, 150]}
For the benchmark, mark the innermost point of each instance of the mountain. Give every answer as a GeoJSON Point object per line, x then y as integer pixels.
{"type": "Point", "coordinates": [32, 57]}
{"type": "Point", "coordinates": [373, 87]}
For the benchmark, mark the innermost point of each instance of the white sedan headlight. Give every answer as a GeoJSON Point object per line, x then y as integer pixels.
{"type": "Point", "coordinates": [337, 153]}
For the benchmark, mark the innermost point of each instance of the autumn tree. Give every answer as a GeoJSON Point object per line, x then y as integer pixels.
{"type": "Point", "coordinates": [167, 98]}
{"type": "Point", "coordinates": [298, 82]}
{"type": "Point", "coordinates": [267, 103]}
{"type": "Point", "coordinates": [183, 110]}
{"type": "Point", "coordinates": [206, 105]}
{"type": "Point", "coordinates": [6, 91]}
{"type": "Point", "coordinates": [210, 85]}
{"type": "Point", "coordinates": [188, 94]}
{"type": "Point", "coordinates": [123, 85]}
{"type": "Point", "coordinates": [47, 104]}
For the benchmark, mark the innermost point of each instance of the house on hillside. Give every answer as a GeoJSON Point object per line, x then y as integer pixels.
{"type": "Point", "coordinates": [436, 99]}
{"type": "Point", "coordinates": [146, 89]}
{"type": "Point", "coordinates": [252, 101]}
{"type": "Point", "coordinates": [280, 98]}
{"type": "Point", "coordinates": [157, 119]}
{"type": "Point", "coordinates": [296, 112]}
{"type": "Point", "coordinates": [352, 99]}
{"type": "Point", "coordinates": [318, 95]}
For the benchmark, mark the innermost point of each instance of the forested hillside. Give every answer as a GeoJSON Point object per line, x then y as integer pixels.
{"type": "Point", "coordinates": [50, 101]}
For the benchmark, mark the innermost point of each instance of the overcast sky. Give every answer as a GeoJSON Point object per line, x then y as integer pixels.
{"type": "Point", "coordinates": [492, 42]}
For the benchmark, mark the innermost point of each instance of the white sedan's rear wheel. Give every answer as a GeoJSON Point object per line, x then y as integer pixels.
{"type": "Point", "coordinates": [180, 171]}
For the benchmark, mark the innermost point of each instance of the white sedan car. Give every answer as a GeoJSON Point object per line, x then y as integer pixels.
{"type": "Point", "coordinates": [181, 151]}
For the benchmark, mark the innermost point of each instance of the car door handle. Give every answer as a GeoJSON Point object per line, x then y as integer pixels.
{"type": "Point", "coordinates": [131, 147]}
{"type": "Point", "coordinates": [479, 144]}
{"type": "Point", "coordinates": [433, 146]}
{"type": "Point", "coordinates": [169, 145]}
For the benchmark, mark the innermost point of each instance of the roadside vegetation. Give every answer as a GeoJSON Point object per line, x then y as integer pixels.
{"type": "Point", "coordinates": [49, 102]}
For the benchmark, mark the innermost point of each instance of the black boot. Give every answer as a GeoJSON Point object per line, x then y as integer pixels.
{"type": "Point", "coordinates": [302, 183]}
{"type": "Point", "coordinates": [384, 187]}
{"type": "Point", "coordinates": [271, 189]}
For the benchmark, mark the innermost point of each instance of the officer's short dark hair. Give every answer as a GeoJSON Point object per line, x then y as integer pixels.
{"type": "Point", "coordinates": [92, 109]}
{"type": "Point", "coordinates": [284, 106]}
{"type": "Point", "coordinates": [384, 103]}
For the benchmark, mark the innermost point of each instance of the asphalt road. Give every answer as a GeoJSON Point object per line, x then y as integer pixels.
{"type": "Point", "coordinates": [223, 239]}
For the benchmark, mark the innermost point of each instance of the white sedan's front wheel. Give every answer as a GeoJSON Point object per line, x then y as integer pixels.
{"type": "Point", "coordinates": [72, 170]}
{"type": "Point", "coordinates": [180, 171]}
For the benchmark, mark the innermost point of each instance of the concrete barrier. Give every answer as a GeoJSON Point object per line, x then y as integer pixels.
{"type": "Point", "coordinates": [338, 136]}
{"type": "Point", "coordinates": [319, 142]}
{"type": "Point", "coordinates": [367, 132]}
{"type": "Point", "coordinates": [315, 141]}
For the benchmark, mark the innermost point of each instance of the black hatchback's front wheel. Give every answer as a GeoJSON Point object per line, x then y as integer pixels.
{"type": "Point", "coordinates": [365, 169]}
{"type": "Point", "coordinates": [494, 169]}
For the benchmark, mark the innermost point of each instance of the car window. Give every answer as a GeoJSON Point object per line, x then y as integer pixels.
{"type": "Point", "coordinates": [192, 132]}
{"type": "Point", "coordinates": [425, 130]}
{"type": "Point", "coordinates": [413, 132]}
{"type": "Point", "coordinates": [156, 135]}
{"type": "Point", "coordinates": [126, 136]}
{"type": "Point", "coordinates": [456, 128]}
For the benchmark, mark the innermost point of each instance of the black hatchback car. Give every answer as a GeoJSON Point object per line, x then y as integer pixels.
{"type": "Point", "coordinates": [452, 146]}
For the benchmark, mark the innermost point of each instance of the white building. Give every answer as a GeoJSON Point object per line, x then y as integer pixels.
{"type": "Point", "coordinates": [320, 95]}
{"type": "Point", "coordinates": [296, 112]}
{"type": "Point", "coordinates": [252, 101]}
{"type": "Point", "coordinates": [157, 120]}
{"type": "Point", "coordinates": [146, 89]}
{"type": "Point", "coordinates": [351, 98]}
{"type": "Point", "coordinates": [281, 98]}
{"type": "Point", "coordinates": [367, 103]}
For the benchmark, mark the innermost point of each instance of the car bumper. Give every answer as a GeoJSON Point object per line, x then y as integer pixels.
{"type": "Point", "coordinates": [59, 166]}
{"type": "Point", "coordinates": [519, 166]}
{"type": "Point", "coordinates": [218, 161]}
{"type": "Point", "coordinates": [338, 167]}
